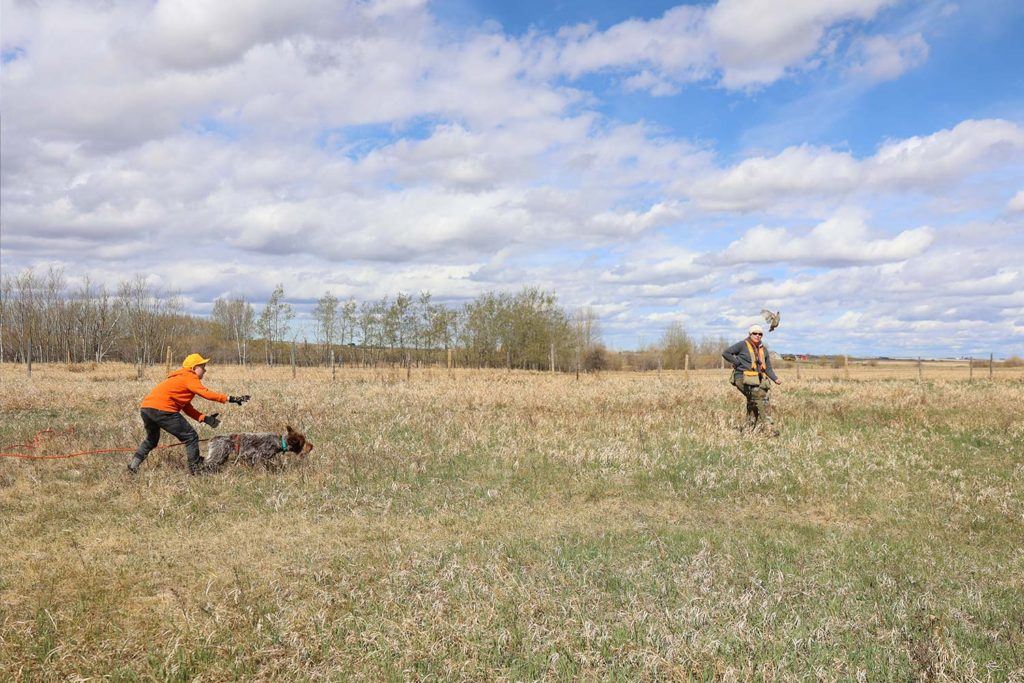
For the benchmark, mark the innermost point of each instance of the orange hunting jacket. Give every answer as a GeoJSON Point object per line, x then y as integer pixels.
{"type": "Point", "coordinates": [175, 394]}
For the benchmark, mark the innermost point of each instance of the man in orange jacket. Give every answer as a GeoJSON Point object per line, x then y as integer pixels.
{"type": "Point", "coordinates": [162, 408]}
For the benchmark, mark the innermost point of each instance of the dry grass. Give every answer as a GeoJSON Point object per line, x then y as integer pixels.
{"type": "Point", "coordinates": [488, 525]}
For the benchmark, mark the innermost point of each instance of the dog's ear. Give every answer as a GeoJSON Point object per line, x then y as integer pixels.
{"type": "Point", "coordinates": [289, 428]}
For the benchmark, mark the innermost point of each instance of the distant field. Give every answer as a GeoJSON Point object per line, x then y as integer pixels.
{"type": "Point", "coordinates": [480, 525]}
{"type": "Point", "coordinates": [950, 370]}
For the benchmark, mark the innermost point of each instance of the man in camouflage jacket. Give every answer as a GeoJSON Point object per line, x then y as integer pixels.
{"type": "Point", "coordinates": [753, 374]}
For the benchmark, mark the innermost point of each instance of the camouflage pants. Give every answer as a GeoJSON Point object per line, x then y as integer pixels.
{"type": "Point", "coordinates": [758, 412]}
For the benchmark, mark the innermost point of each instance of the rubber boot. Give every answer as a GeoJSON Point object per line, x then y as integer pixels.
{"type": "Point", "coordinates": [197, 467]}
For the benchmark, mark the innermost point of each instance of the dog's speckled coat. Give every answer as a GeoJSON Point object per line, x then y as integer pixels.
{"type": "Point", "coordinates": [252, 449]}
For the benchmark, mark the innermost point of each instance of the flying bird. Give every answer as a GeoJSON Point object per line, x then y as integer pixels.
{"type": "Point", "coordinates": [771, 318]}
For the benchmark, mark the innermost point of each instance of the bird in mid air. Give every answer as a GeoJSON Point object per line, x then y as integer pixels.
{"type": "Point", "coordinates": [771, 318]}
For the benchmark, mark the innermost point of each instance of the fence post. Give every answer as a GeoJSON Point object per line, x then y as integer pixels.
{"type": "Point", "coordinates": [797, 367]}
{"type": "Point", "coordinates": [686, 366]}
{"type": "Point", "coordinates": [970, 369]}
{"type": "Point", "coordinates": [449, 358]}
{"type": "Point", "coordinates": [920, 371]}
{"type": "Point", "coordinates": [408, 366]}
{"type": "Point", "coordinates": [293, 359]}
{"type": "Point", "coordinates": [29, 358]}
{"type": "Point", "coordinates": [846, 366]}
{"type": "Point", "coordinates": [168, 359]}
{"type": "Point", "coordinates": [990, 357]}
{"type": "Point", "coordinates": [552, 358]}
{"type": "Point", "coordinates": [334, 373]}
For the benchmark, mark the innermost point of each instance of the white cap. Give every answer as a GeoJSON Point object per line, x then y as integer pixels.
{"type": "Point", "coordinates": [755, 328]}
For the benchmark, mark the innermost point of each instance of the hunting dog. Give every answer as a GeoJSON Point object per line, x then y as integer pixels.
{"type": "Point", "coordinates": [254, 449]}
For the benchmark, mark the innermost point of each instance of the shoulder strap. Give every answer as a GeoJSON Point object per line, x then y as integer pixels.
{"type": "Point", "coordinates": [756, 357]}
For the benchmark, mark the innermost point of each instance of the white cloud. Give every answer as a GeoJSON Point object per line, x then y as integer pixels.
{"type": "Point", "coordinates": [924, 163]}
{"type": "Point", "coordinates": [657, 85]}
{"type": "Point", "coordinates": [756, 41]}
{"type": "Point", "coordinates": [885, 58]}
{"type": "Point", "coordinates": [364, 148]}
{"type": "Point", "coordinates": [840, 241]}
{"type": "Point", "coordinates": [946, 156]}
{"type": "Point", "coordinates": [669, 265]}
{"type": "Point", "coordinates": [742, 43]}
{"type": "Point", "coordinates": [191, 34]}
{"type": "Point", "coordinates": [676, 43]}
{"type": "Point", "coordinates": [763, 181]}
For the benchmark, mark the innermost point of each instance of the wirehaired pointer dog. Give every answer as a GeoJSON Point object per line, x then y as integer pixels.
{"type": "Point", "coordinates": [253, 449]}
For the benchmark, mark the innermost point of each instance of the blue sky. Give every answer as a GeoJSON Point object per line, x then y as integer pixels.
{"type": "Point", "coordinates": [856, 164]}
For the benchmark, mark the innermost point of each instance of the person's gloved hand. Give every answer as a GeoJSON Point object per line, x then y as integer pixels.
{"type": "Point", "coordinates": [239, 399]}
{"type": "Point", "coordinates": [212, 420]}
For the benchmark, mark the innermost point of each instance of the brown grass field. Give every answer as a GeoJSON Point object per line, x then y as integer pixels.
{"type": "Point", "coordinates": [486, 525]}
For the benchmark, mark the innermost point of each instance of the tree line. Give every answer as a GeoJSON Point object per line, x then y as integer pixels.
{"type": "Point", "coordinates": [45, 319]}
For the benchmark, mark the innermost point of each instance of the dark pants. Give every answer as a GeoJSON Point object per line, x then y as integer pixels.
{"type": "Point", "coordinates": [175, 425]}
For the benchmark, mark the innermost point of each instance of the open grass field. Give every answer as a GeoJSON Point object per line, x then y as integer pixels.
{"type": "Point", "coordinates": [485, 525]}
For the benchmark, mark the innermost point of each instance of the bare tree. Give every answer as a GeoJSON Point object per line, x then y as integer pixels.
{"type": "Point", "coordinates": [398, 325]}
{"type": "Point", "coordinates": [6, 290]}
{"type": "Point", "coordinates": [238, 320]}
{"type": "Point", "coordinates": [373, 329]}
{"type": "Point", "coordinates": [25, 311]}
{"type": "Point", "coordinates": [347, 323]}
{"type": "Point", "coordinates": [103, 314]}
{"type": "Point", "coordinates": [444, 326]}
{"type": "Point", "coordinates": [326, 316]}
{"type": "Point", "coordinates": [275, 321]}
{"type": "Point", "coordinates": [527, 329]}
{"type": "Point", "coordinates": [151, 316]}
{"type": "Point", "coordinates": [53, 324]}
{"type": "Point", "coordinates": [586, 333]}
{"type": "Point", "coordinates": [675, 346]}
{"type": "Point", "coordinates": [421, 324]}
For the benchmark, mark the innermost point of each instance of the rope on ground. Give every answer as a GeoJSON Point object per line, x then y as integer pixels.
{"type": "Point", "coordinates": [33, 445]}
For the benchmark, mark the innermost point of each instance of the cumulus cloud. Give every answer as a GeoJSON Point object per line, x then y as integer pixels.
{"type": "Point", "coordinates": [840, 241]}
{"type": "Point", "coordinates": [677, 44]}
{"type": "Point", "coordinates": [196, 35]}
{"type": "Point", "coordinates": [885, 58]}
{"type": "Point", "coordinates": [756, 41]}
{"type": "Point", "coordinates": [667, 266]}
{"type": "Point", "coordinates": [924, 163]}
{"type": "Point", "coordinates": [742, 44]}
{"type": "Point", "coordinates": [364, 148]}
{"type": "Point", "coordinates": [948, 155]}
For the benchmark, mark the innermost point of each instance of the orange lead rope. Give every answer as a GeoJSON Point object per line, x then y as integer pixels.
{"type": "Point", "coordinates": [33, 445]}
